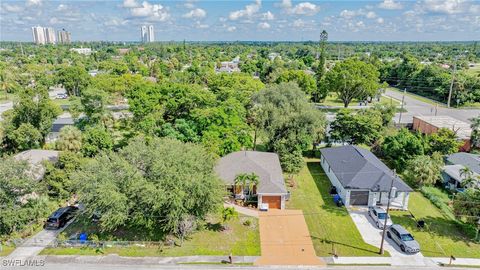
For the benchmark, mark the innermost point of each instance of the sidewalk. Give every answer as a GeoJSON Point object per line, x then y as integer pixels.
{"type": "Point", "coordinates": [242, 210]}
{"type": "Point", "coordinates": [113, 259]}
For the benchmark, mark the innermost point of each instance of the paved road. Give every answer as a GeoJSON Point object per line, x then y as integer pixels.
{"type": "Point", "coordinates": [373, 236]}
{"type": "Point", "coordinates": [48, 266]}
{"type": "Point", "coordinates": [417, 107]}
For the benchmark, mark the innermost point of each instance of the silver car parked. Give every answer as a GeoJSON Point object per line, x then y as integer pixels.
{"type": "Point", "coordinates": [378, 215]}
{"type": "Point", "coordinates": [403, 239]}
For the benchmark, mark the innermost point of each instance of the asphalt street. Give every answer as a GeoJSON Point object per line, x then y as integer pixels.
{"type": "Point", "coordinates": [207, 266]}
{"type": "Point", "coordinates": [418, 107]}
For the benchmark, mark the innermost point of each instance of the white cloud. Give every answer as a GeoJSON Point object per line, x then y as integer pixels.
{"type": "Point", "coordinates": [268, 16]}
{"type": "Point", "coordinates": [247, 12]}
{"type": "Point", "coordinates": [231, 28]}
{"type": "Point", "coordinates": [371, 15]}
{"type": "Point", "coordinates": [263, 25]}
{"type": "Point", "coordinates": [34, 2]}
{"type": "Point", "coordinates": [380, 20]}
{"type": "Point", "coordinates": [348, 14]}
{"type": "Point", "coordinates": [62, 7]}
{"type": "Point", "coordinates": [390, 4]}
{"type": "Point", "coordinates": [201, 26]}
{"type": "Point", "coordinates": [130, 3]}
{"type": "Point", "coordinates": [154, 12]}
{"type": "Point", "coordinates": [449, 6]}
{"type": "Point", "coordinates": [53, 20]}
{"type": "Point", "coordinates": [304, 8]}
{"type": "Point", "coordinates": [195, 13]}
{"type": "Point", "coordinates": [298, 23]}
{"type": "Point", "coordinates": [12, 8]}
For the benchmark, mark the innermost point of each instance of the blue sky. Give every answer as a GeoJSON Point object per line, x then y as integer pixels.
{"type": "Point", "coordinates": [386, 20]}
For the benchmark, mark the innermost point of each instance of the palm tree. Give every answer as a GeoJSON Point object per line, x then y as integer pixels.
{"type": "Point", "coordinates": [70, 139]}
{"type": "Point", "coordinates": [470, 180]}
{"type": "Point", "coordinates": [252, 182]}
{"type": "Point", "coordinates": [240, 180]}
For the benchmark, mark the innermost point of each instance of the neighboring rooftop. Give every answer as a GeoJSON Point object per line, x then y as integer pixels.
{"type": "Point", "coordinates": [455, 172]}
{"type": "Point", "coordinates": [468, 160]}
{"type": "Point", "coordinates": [35, 159]}
{"type": "Point", "coordinates": [358, 168]}
{"type": "Point", "coordinates": [265, 165]}
{"type": "Point", "coordinates": [462, 129]}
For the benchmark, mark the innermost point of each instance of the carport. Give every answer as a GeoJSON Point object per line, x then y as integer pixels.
{"type": "Point", "coordinates": [285, 239]}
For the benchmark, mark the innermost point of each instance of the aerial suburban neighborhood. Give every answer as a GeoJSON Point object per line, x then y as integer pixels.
{"type": "Point", "coordinates": [247, 134]}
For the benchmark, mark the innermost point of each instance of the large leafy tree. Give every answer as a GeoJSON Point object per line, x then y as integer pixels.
{"type": "Point", "coordinates": [353, 79]}
{"type": "Point", "coordinates": [31, 119]}
{"type": "Point", "coordinates": [153, 185]}
{"type": "Point", "coordinates": [361, 127]}
{"type": "Point", "coordinates": [399, 148]}
{"type": "Point", "coordinates": [74, 79]}
{"type": "Point", "coordinates": [95, 139]}
{"type": "Point", "coordinates": [444, 141]}
{"type": "Point", "coordinates": [424, 170]}
{"type": "Point", "coordinates": [70, 139]}
{"type": "Point", "coordinates": [286, 119]}
{"type": "Point", "coordinates": [20, 199]}
{"type": "Point", "coordinates": [305, 82]}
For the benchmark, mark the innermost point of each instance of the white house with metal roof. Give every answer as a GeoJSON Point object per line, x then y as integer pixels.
{"type": "Point", "coordinates": [360, 178]}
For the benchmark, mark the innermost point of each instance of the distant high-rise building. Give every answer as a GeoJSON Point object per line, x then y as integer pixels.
{"type": "Point", "coordinates": [64, 37]}
{"type": "Point", "coordinates": [38, 35]}
{"type": "Point", "coordinates": [50, 35]}
{"type": "Point", "coordinates": [144, 34]}
{"type": "Point", "coordinates": [148, 34]}
{"type": "Point", "coordinates": [151, 34]}
{"type": "Point", "coordinates": [43, 35]}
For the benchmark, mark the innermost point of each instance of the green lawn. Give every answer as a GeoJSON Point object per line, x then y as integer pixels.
{"type": "Point", "coordinates": [61, 102]}
{"type": "Point", "coordinates": [444, 237]}
{"type": "Point", "coordinates": [418, 97]}
{"type": "Point", "coordinates": [333, 100]}
{"type": "Point", "coordinates": [329, 225]}
{"type": "Point", "coordinates": [238, 240]}
{"type": "Point", "coordinates": [5, 250]}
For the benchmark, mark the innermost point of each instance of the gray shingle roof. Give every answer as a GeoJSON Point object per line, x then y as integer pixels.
{"type": "Point", "coordinates": [265, 165]}
{"type": "Point", "coordinates": [470, 161]}
{"type": "Point", "coordinates": [358, 168]}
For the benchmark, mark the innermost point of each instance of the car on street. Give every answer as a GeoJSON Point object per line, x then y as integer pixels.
{"type": "Point", "coordinates": [60, 217]}
{"type": "Point", "coordinates": [403, 239]}
{"type": "Point", "coordinates": [379, 215]}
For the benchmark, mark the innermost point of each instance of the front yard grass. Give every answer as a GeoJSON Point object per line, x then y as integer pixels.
{"type": "Point", "coordinates": [444, 236]}
{"type": "Point", "coordinates": [330, 226]}
{"type": "Point", "coordinates": [333, 101]}
{"type": "Point", "coordinates": [240, 240]}
{"type": "Point", "coordinates": [5, 250]}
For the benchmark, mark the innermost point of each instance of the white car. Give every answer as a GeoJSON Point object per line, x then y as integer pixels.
{"type": "Point", "coordinates": [378, 215]}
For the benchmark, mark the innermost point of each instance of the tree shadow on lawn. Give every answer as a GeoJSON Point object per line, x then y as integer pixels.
{"type": "Point", "coordinates": [215, 227]}
{"type": "Point", "coordinates": [323, 185]}
{"type": "Point", "coordinates": [330, 242]}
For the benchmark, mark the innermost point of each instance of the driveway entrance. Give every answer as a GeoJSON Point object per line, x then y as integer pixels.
{"type": "Point", "coordinates": [285, 239]}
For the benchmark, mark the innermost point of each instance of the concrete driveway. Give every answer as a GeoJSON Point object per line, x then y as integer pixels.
{"type": "Point", "coordinates": [35, 244]}
{"type": "Point", "coordinates": [373, 236]}
{"type": "Point", "coordinates": [285, 239]}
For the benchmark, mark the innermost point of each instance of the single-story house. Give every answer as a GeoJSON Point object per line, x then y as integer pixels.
{"type": "Point", "coordinates": [58, 124]}
{"type": "Point", "coordinates": [360, 178]}
{"type": "Point", "coordinates": [431, 124]}
{"type": "Point", "coordinates": [271, 184]}
{"type": "Point", "coordinates": [35, 158]}
{"type": "Point", "coordinates": [452, 173]}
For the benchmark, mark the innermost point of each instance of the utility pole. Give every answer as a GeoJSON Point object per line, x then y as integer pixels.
{"type": "Point", "coordinates": [453, 80]}
{"type": "Point", "coordinates": [388, 209]}
{"type": "Point", "coordinates": [401, 109]}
